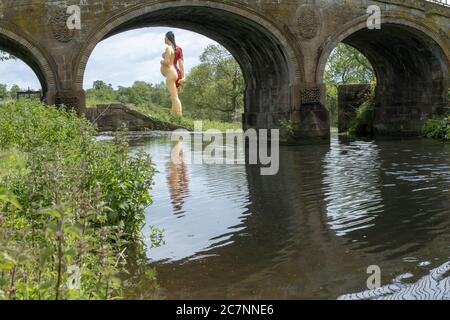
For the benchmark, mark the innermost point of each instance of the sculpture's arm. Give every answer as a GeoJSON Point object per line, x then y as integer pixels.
{"type": "Point", "coordinates": [166, 57]}
{"type": "Point", "coordinates": [181, 65]}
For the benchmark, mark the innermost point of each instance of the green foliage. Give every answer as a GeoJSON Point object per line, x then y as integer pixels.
{"type": "Point", "coordinates": [289, 127]}
{"type": "Point", "coordinates": [100, 92]}
{"type": "Point", "coordinates": [213, 92]}
{"type": "Point", "coordinates": [332, 103]}
{"type": "Point", "coordinates": [7, 95]}
{"type": "Point", "coordinates": [363, 124]}
{"type": "Point", "coordinates": [5, 56]}
{"type": "Point", "coordinates": [437, 128]}
{"type": "Point", "coordinates": [346, 65]}
{"type": "Point", "coordinates": [143, 93]}
{"type": "Point", "coordinates": [140, 93]}
{"type": "Point", "coordinates": [214, 89]}
{"type": "Point", "coordinates": [186, 121]}
{"type": "Point", "coordinates": [3, 92]}
{"type": "Point", "coordinates": [13, 91]}
{"type": "Point", "coordinates": [68, 203]}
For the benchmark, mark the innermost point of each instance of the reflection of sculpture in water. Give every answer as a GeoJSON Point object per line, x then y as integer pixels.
{"type": "Point", "coordinates": [177, 178]}
{"type": "Point", "coordinates": [172, 68]}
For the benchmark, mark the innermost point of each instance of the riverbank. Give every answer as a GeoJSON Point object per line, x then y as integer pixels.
{"type": "Point", "coordinates": [114, 116]}
{"type": "Point", "coordinates": [185, 121]}
{"type": "Point", "coordinates": [71, 207]}
{"type": "Point", "coordinates": [438, 128]}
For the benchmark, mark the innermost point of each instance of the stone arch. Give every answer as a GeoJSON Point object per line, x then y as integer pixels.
{"type": "Point", "coordinates": [33, 56]}
{"type": "Point", "coordinates": [411, 63]}
{"type": "Point", "coordinates": [269, 62]}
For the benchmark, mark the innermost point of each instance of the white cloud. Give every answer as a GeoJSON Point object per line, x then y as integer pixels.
{"type": "Point", "coordinates": [135, 56]}
{"type": "Point", "coordinates": [17, 72]}
{"type": "Point", "coordinates": [120, 60]}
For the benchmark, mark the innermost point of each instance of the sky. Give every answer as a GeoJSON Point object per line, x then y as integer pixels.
{"type": "Point", "coordinates": [17, 72]}
{"type": "Point", "coordinates": [120, 60]}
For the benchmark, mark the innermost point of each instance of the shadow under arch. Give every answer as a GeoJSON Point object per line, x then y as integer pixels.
{"type": "Point", "coordinates": [33, 56]}
{"type": "Point", "coordinates": [412, 67]}
{"type": "Point", "coordinates": [269, 63]}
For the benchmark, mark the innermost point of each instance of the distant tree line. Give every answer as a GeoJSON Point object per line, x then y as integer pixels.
{"type": "Point", "coordinates": [6, 94]}
{"type": "Point", "coordinates": [10, 94]}
{"type": "Point", "coordinates": [139, 93]}
{"type": "Point", "coordinates": [213, 90]}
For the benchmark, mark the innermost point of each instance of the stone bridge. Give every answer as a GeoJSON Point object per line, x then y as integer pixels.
{"type": "Point", "coordinates": [281, 45]}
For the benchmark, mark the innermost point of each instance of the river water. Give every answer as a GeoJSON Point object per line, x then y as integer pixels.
{"type": "Point", "coordinates": [310, 232]}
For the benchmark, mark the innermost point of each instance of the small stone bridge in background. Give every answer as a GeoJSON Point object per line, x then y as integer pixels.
{"type": "Point", "coordinates": [282, 46]}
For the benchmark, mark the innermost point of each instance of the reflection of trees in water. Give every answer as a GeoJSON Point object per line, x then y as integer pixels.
{"type": "Point", "coordinates": [352, 187]}
{"type": "Point", "coordinates": [177, 177]}
{"type": "Point", "coordinates": [386, 198]}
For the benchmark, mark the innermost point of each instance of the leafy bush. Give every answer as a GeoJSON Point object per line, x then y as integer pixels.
{"type": "Point", "coordinates": [363, 123]}
{"type": "Point", "coordinates": [437, 128]}
{"type": "Point", "coordinates": [288, 126]}
{"type": "Point", "coordinates": [69, 205]}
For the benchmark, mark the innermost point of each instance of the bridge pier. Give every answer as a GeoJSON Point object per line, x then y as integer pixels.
{"type": "Point", "coordinates": [312, 119]}
{"type": "Point", "coordinates": [71, 99]}
{"type": "Point", "coordinates": [404, 109]}
{"type": "Point", "coordinates": [301, 107]}
{"type": "Point", "coordinates": [310, 123]}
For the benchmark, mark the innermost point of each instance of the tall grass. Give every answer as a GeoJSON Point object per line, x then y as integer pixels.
{"type": "Point", "coordinates": [437, 128]}
{"type": "Point", "coordinates": [185, 121]}
{"type": "Point", "coordinates": [71, 207]}
{"type": "Point", "coordinates": [362, 124]}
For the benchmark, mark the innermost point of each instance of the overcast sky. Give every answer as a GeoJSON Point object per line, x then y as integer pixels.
{"type": "Point", "coordinates": [121, 60]}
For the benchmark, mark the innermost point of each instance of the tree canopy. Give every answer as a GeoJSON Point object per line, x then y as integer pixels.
{"type": "Point", "coordinates": [215, 88]}
{"type": "Point", "coordinates": [5, 56]}
{"type": "Point", "coordinates": [346, 65]}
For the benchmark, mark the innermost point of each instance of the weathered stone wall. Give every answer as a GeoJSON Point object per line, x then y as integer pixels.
{"type": "Point", "coordinates": [116, 117]}
{"type": "Point", "coordinates": [282, 46]}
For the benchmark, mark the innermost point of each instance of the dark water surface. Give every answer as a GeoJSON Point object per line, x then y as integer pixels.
{"type": "Point", "coordinates": [310, 232]}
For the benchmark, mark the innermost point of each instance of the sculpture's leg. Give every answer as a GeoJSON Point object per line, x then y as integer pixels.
{"type": "Point", "coordinates": [173, 90]}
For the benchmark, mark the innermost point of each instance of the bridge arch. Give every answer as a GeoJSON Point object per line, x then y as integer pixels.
{"type": "Point", "coordinates": [412, 66]}
{"type": "Point", "coordinates": [33, 56]}
{"type": "Point", "coordinates": [270, 64]}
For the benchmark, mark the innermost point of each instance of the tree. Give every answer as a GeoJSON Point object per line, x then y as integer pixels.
{"type": "Point", "coordinates": [160, 96]}
{"type": "Point", "coordinates": [140, 93]}
{"type": "Point", "coordinates": [346, 65]}
{"type": "Point", "coordinates": [145, 94]}
{"type": "Point", "coordinates": [215, 88]}
{"type": "Point", "coordinates": [3, 92]}
{"type": "Point", "coordinates": [4, 56]}
{"type": "Point", "coordinates": [101, 93]}
{"type": "Point", "coordinates": [13, 91]}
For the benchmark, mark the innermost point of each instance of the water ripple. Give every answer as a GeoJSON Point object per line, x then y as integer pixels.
{"type": "Point", "coordinates": [434, 286]}
{"type": "Point", "coordinates": [309, 232]}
